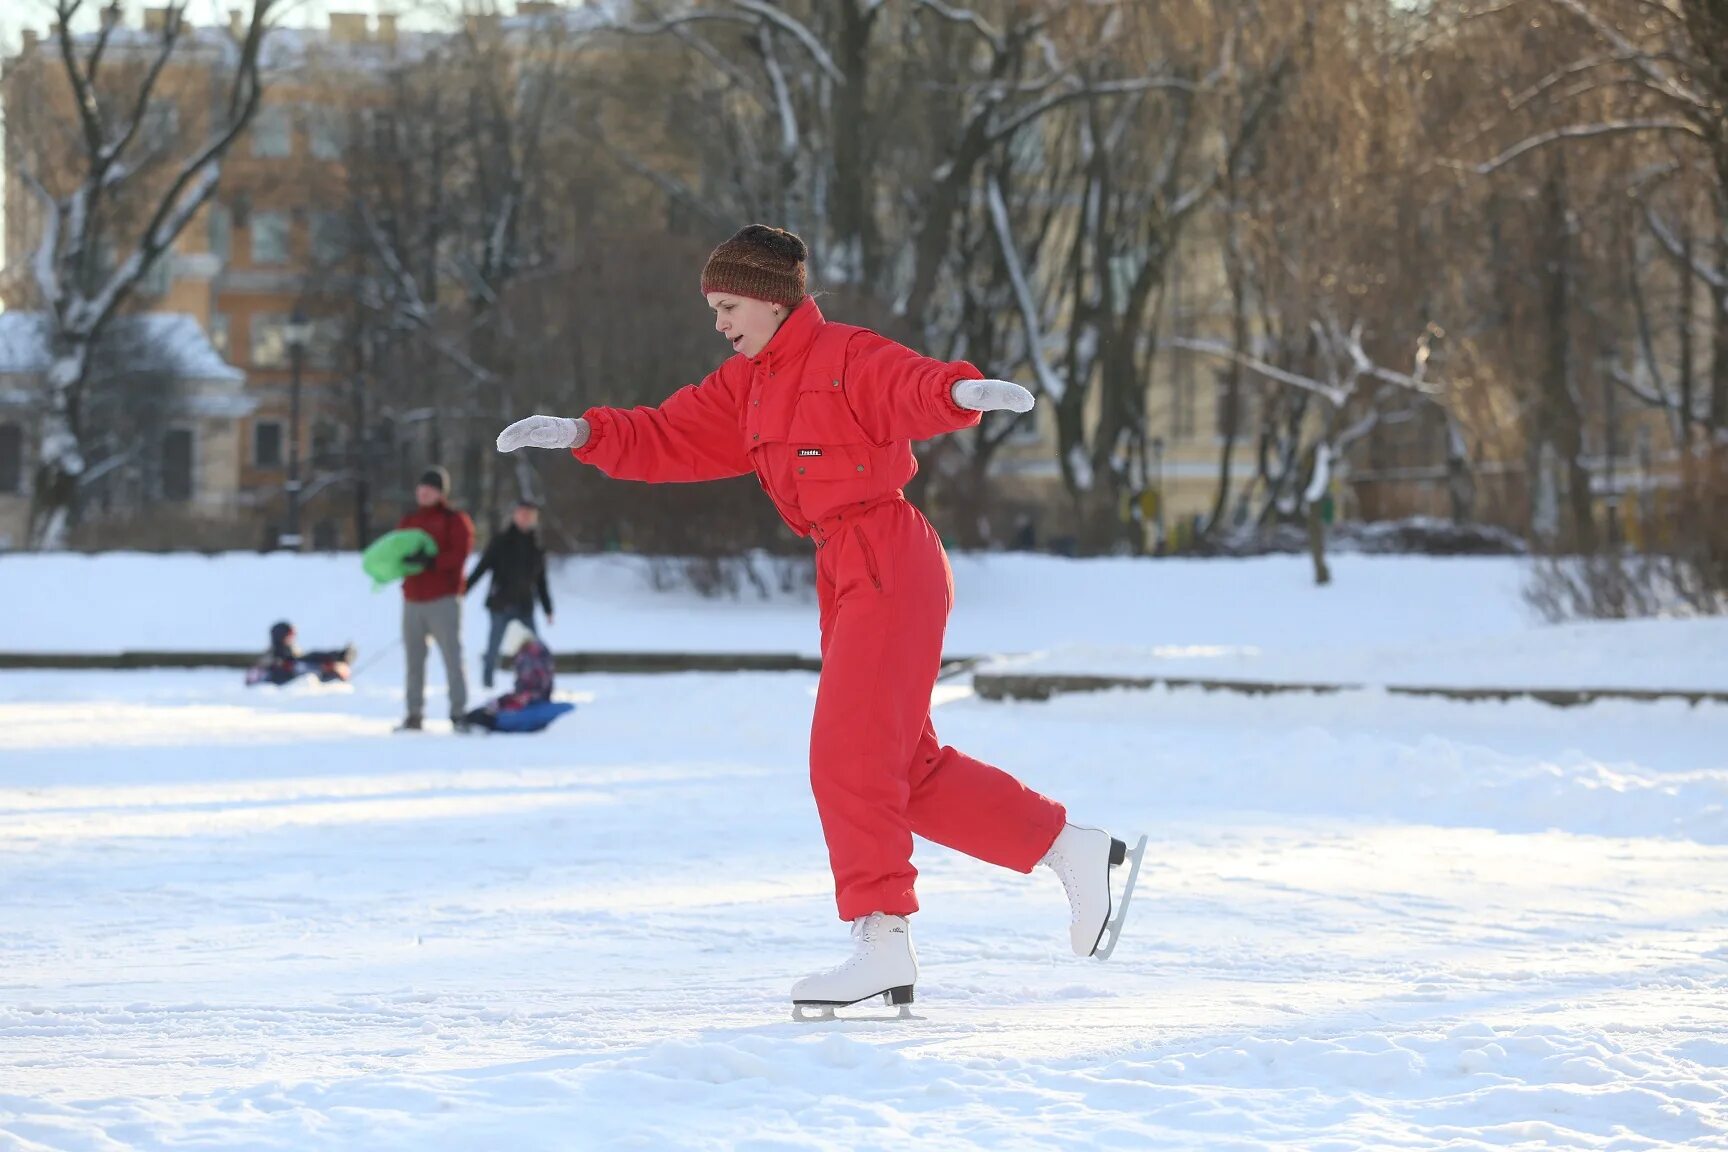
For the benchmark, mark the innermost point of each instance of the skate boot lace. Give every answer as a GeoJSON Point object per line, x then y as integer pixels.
{"type": "Point", "coordinates": [864, 931]}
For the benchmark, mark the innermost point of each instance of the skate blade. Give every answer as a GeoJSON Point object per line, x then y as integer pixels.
{"type": "Point", "coordinates": [818, 1011]}
{"type": "Point", "coordinates": [1113, 927]}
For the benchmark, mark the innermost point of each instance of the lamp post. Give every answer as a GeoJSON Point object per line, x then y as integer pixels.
{"type": "Point", "coordinates": [295, 335]}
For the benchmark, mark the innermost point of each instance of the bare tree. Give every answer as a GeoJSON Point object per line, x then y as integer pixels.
{"type": "Point", "coordinates": [451, 192]}
{"type": "Point", "coordinates": [80, 290]}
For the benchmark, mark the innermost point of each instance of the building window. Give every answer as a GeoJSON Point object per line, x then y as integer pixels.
{"type": "Point", "coordinates": [11, 458]}
{"type": "Point", "coordinates": [326, 536]}
{"type": "Point", "coordinates": [325, 444]}
{"type": "Point", "coordinates": [329, 237]}
{"type": "Point", "coordinates": [269, 341]}
{"type": "Point", "coordinates": [267, 444]}
{"type": "Point", "coordinates": [379, 128]}
{"type": "Point", "coordinates": [324, 344]}
{"type": "Point", "coordinates": [155, 280]}
{"type": "Point", "coordinates": [270, 232]}
{"type": "Point", "coordinates": [219, 333]}
{"type": "Point", "coordinates": [221, 223]}
{"type": "Point", "coordinates": [273, 132]}
{"type": "Point", "coordinates": [177, 464]}
{"type": "Point", "coordinates": [326, 133]}
{"type": "Point", "coordinates": [159, 125]}
{"type": "Point", "coordinates": [1244, 405]}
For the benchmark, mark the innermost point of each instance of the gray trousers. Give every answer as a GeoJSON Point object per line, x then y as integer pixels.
{"type": "Point", "coordinates": [442, 621]}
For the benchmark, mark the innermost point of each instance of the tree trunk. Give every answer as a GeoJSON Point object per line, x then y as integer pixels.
{"type": "Point", "coordinates": [1563, 421]}
{"type": "Point", "coordinates": [59, 462]}
{"type": "Point", "coordinates": [1233, 384]}
{"type": "Point", "coordinates": [854, 227]}
{"type": "Point", "coordinates": [1719, 349]}
{"type": "Point", "coordinates": [1317, 544]}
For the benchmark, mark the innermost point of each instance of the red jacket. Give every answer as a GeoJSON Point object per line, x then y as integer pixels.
{"type": "Point", "coordinates": [824, 416]}
{"type": "Point", "coordinates": [454, 533]}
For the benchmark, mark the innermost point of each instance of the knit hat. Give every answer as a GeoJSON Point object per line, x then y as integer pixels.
{"type": "Point", "coordinates": [280, 631]}
{"type": "Point", "coordinates": [516, 634]}
{"type": "Point", "coordinates": [436, 477]}
{"type": "Point", "coordinates": [760, 262]}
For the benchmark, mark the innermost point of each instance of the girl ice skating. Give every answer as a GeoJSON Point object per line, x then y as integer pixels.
{"type": "Point", "coordinates": [824, 414]}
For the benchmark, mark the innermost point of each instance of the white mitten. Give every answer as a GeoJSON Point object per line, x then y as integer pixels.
{"type": "Point", "coordinates": [544, 432]}
{"type": "Point", "coordinates": [992, 396]}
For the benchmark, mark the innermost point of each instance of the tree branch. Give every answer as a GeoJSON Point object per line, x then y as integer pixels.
{"type": "Point", "coordinates": [1715, 277]}
{"type": "Point", "coordinates": [83, 95]}
{"type": "Point", "coordinates": [967, 16]}
{"type": "Point", "coordinates": [1644, 61]}
{"type": "Point", "coordinates": [1332, 395]}
{"type": "Point", "coordinates": [1583, 132]}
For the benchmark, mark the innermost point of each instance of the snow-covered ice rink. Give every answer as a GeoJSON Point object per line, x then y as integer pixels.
{"type": "Point", "coordinates": [256, 919]}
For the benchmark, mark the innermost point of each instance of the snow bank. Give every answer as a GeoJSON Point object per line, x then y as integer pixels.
{"type": "Point", "coordinates": [1003, 603]}
{"type": "Point", "coordinates": [1644, 654]}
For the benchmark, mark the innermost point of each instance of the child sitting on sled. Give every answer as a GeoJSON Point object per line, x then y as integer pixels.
{"type": "Point", "coordinates": [530, 706]}
{"type": "Point", "coordinates": [285, 662]}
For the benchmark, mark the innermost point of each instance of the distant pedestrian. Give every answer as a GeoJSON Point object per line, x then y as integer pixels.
{"type": "Point", "coordinates": [517, 562]}
{"type": "Point", "coordinates": [432, 598]}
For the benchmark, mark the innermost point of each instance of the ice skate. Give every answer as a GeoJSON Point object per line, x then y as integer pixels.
{"type": "Point", "coordinates": [883, 963]}
{"type": "Point", "coordinates": [1083, 859]}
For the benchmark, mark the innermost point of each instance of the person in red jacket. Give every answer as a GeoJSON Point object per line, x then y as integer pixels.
{"type": "Point", "coordinates": [432, 598]}
{"type": "Point", "coordinates": [824, 415]}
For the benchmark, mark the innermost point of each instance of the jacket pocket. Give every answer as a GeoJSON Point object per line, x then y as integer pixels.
{"type": "Point", "coordinates": [869, 555]}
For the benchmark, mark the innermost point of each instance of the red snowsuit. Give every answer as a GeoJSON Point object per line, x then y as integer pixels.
{"type": "Point", "coordinates": [824, 416]}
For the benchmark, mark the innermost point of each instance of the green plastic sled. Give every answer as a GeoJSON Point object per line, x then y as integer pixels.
{"type": "Point", "coordinates": [386, 558]}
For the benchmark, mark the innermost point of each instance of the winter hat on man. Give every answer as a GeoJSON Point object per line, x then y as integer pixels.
{"type": "Point", "coordinates": [436, 477]}
{"type": "Point", "coordinates": [760, 262]}
{"type": "Point", "coordinates": [516, 634]}
{"type": "Point", "coordinates": [280, 631]}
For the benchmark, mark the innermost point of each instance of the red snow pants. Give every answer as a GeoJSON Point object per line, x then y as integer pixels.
{"type": "Point", "coordinates": [878, 773]}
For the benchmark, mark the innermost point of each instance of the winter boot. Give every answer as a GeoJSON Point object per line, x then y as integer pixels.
{"type": "Point", "coordinates": [409, 724]}
{"type": "Point", "coordinates": [1083, 858]}
{"type": "Point", "coordinates": [883, 963]}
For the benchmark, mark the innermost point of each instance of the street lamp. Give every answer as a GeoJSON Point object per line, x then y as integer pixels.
{"type": "Point", "coordinates": [295, 335]}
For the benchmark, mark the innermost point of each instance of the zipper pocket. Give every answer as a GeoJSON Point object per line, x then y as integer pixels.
{"type": "Point", "coordinates": [869, 558]}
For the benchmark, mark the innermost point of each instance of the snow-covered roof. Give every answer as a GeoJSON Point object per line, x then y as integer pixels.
{"type": "Point", "coordinates": [579, 17]}
{"type": "Point", "coordinates": [167, 342]}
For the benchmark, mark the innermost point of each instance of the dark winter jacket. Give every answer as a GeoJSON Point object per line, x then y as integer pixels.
{"type": "Point", "coordinates": [454, 533]}
{"type": "Point", "coordinates": [533, 667]}
{"type": "Point", "coordinates": [518, 566]}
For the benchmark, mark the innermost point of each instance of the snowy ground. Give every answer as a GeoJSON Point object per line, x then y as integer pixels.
{"type": "Point", "coordinates": [245, 919]}
{"type": "Point", "coordinates": [256, 920]}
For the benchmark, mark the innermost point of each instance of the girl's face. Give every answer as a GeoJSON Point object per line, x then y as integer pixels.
{"type": "Point", "coordinates": [746, 323]}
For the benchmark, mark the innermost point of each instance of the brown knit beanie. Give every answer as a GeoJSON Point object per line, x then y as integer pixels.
{"type": "Point", "coordinates": [760, 262]}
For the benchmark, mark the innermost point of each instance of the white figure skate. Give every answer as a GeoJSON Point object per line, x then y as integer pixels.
{"type": "Point", "coordinates": [1083, 858]}
{"type": "Point", "coordinates": [883, 963]}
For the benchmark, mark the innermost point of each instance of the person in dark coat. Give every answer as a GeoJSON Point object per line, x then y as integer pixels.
{"type": "Point", "coordinates": [285, 661]}
{"type": "Point", "coordinates": [517, 562]}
